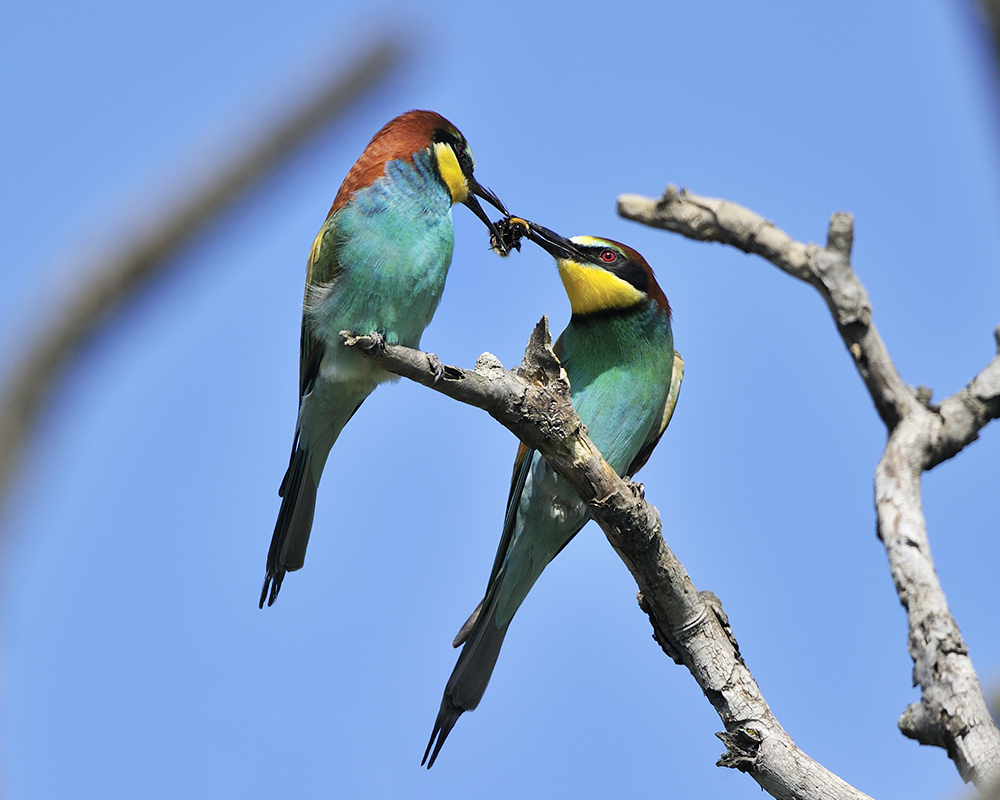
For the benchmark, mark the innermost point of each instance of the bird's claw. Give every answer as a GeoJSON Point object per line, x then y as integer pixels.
{"type": "Point", "coordinates": [436, 366]}
{"type": "Point", "coordinates": [376, 347]}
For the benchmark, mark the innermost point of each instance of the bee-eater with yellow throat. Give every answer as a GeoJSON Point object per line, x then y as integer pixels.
{"type": "Point", "coordinates": [379, 265]}
{"type": "Point", "coordinates": [618, 353]}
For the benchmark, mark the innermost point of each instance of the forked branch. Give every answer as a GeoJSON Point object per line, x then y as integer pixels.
{"type": "Point", "coordinates": [952, 712]}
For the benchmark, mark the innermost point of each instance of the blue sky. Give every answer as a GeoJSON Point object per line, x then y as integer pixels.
{"type": "Point", "coordinates": [135, 662]}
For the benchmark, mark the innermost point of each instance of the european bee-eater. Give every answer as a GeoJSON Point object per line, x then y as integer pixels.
{"type": "Point", "coordinates": [378, 264]}
{"type": "Point", "coordinates": [624, 375]}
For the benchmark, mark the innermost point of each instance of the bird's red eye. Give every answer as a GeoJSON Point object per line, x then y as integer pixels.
{"type": "Point", "coordinates": [608, 256]}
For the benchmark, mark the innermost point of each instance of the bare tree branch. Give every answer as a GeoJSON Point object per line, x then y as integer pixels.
{"type": "Point", "coordinates": [534, 403]}
{"type": "Point", "coordinates": [828, 269]}
{"type": "Point", "coordinates": [124, 273]}
{"type": "Point", "coordinates": [952, 712]}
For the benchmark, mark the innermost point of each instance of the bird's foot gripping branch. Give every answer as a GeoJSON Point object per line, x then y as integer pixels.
{"type": "Point", "coordinates": [533, 402]}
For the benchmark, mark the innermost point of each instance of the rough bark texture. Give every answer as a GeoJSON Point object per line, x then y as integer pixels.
{"type": "Point", "coordinates": [952, 712]}
{"type": "Point", "coordinates": [534, 403]}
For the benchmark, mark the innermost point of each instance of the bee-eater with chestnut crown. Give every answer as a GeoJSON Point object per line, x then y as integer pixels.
{"type": "Point", "coordinates": [378, 264]}
{"type": "Point", "coordinates": [618, 352]}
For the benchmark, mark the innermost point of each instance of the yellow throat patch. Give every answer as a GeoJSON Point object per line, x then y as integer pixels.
{"type": "Point", "coordinates": [593, 289]}
{"type": "Point", "coordinates": [451, 172]}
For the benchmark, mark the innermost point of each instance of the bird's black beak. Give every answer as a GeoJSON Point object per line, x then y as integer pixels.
{"type": "Point", "coordinates": [552, 243]}
{"type": "Point", "coordinates": [487, 194]}
{"type": "Point", "coordinates": [476, 189]}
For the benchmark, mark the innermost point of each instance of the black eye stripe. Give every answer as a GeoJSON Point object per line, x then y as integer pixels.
{"type": "Point", "coordinates": [457, 144]}
{"type": "Point", "coordinates": [621, 267]}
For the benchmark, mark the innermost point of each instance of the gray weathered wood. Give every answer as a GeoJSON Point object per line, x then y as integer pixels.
{"type": "Point", "coordinates": [533, 402]}
{"type": "Point", "coordinates": [952, 711]}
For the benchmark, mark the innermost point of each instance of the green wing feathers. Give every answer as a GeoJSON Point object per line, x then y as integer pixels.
{"type": "Point", "coordinates": [676, 375]}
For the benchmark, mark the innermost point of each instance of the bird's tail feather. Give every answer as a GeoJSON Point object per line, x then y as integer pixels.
{"type": "Point", "coordinates": [471, 675]}
{"type": "Point", "coordinates": [287, 552]}
{"type": "Point", "coordinates": [446, 719]}
{"type": "Point", "coordinates": [291, 531]}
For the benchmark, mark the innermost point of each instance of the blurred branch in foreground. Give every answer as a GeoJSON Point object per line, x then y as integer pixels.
{"type": "Point", "coordinates": [990, 10]}
{"type": "Point", "coordinates": [126, 268]}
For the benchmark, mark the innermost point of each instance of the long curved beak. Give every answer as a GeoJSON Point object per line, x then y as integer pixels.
{"type": "Point", "coordinates": [476, 189]}
{"type": "Point", "coordinates": [552, 243]}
